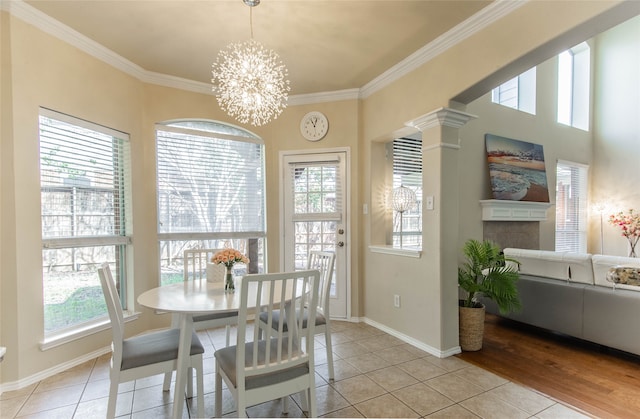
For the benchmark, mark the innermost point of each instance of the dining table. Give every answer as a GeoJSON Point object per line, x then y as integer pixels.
{"type": "Point", "coordinates": [186, 299]}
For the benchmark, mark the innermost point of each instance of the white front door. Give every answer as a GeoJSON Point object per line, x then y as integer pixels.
{"type": "Point", "coordinates": [314, 216]}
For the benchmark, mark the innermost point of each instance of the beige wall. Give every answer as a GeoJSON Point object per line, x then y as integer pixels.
{"type": "Point", "coordinates": [39, 70]}
{"type": "Point", "coordinates": [49, 73]}
{"type": "Point", "coordinates": [559, 142]}
{"type": "Point", "coordinates": [614, 172]}
{"type": "Point", "coordinates": [429, 284]}
{"type": "Point", "coordinates": [46, 72]}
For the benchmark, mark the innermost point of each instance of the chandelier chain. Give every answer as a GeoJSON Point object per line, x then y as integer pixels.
{"type": "Point", "coordinates": [251, 22]}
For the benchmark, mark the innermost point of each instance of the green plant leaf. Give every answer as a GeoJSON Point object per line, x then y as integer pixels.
{"type": "Point", "coordinates": [486, 273]}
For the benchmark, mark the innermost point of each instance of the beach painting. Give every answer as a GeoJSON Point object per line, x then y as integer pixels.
{"type": "Point", "coordinates": [516, 169]}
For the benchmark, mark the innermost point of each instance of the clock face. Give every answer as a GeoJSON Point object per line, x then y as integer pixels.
{"type": "Point", "coordinates": [314, 126]}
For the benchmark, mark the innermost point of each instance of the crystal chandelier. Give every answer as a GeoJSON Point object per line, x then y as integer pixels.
{"type": "Point", "coordinates": [250, 80]}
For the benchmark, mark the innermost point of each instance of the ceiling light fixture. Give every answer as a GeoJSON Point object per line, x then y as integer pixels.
{"type": "Point", "coordinates": [250, 80]}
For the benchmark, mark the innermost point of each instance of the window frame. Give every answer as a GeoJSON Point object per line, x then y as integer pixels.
{"type": "Point", "coordinates": [525, 92]}
{"type": "Point", "coordinates": [251, 242]}
{"type": "Point", "coordinates": [120, 238]}
{"type": "Point", "coordinates": [574, 87]}
{"type": "Point", "coordinates": [401, 147]}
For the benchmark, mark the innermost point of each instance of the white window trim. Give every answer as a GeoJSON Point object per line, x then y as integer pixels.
{"type": "Point", "coordinates": [75, 333]}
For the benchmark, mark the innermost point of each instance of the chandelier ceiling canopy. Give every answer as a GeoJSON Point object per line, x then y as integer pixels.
{"type": "Point", "coordinates": [250, 80]}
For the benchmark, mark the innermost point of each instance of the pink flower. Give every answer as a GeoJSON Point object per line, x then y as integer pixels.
{"type": "Point", "coordinates": [229, 257]}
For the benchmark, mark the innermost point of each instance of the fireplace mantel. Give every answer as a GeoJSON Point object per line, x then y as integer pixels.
{"type": "Point", "coordinates": [502, 210]}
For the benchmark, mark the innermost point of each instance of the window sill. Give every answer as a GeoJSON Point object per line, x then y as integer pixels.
{"type": "Point", "coordinates": [58, 339]}
{"type": "Point", "coordinates": [388, 250]}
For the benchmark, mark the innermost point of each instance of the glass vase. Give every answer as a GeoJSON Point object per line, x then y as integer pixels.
{"type": "Point", "coordinates": [228, 282]}
{"type": "Point", "coordinates": [632, 248]}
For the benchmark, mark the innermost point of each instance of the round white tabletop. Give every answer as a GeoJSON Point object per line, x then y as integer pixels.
{"type": "Point", "coordinates": [196, 296]}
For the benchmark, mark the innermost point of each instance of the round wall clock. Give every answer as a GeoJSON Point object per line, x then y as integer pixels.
{"type": "Point", "coordinates": [314, 126]}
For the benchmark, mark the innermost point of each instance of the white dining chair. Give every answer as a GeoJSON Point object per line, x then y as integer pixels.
{"type": "Point", "coordinates": [144, 355]}
{"type": "Point", "coordinates": [323, 262]}
{"type": "Point", "coordinates": [195, 267]}
{"type": "Point", "coordinates": [276, 365]}
{"type": "Point", "coordinates": [196, 262]}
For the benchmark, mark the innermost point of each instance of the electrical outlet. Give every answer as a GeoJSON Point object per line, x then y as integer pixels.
{"type": "Point", "coordinates": [396, 301]}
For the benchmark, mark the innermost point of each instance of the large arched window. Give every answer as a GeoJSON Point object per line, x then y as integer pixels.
{"type": "Point", "coordinates": [210, 191]}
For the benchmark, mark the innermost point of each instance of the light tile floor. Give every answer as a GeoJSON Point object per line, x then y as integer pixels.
{"type": "Point", "coordinates": [377, 375]}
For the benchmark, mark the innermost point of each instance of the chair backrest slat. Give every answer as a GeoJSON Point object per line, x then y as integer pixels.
{"type": "Point", "coordinates": [114, 307]}
{"type": "Point", "coordinates": [195, 264]}
{"type": "Point", "coordinates": [289, 293]}
{"type": "Point", "coordinates": [323, 262]}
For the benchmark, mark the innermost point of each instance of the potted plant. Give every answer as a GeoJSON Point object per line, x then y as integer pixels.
{"type": "Point", "coordinates": [485, 273]}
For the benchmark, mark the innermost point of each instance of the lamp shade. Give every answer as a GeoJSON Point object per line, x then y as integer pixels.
{"type": "Point", "coordinates": [402, 198]}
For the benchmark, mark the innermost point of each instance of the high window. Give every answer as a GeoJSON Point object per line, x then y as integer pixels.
{"type": "Point", "coordinates": [211, 193]}
{"type": "Point", "coordinates": [518, 93]}
{"type": "Point", "coordinates": [571, 207]}
{"type": "Point", "coordinates": [574, 75]}
{"type": "Point", "coordinates": [407, 172]}
{"type": "Point", "coordinates": [84, 186]}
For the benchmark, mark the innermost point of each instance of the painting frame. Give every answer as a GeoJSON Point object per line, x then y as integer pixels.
{"type": "Point", "coordinates": [517, 169]}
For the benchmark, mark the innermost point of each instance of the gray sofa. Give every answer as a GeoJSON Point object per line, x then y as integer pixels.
{"type": "Point", "coordinates": [569, 293]}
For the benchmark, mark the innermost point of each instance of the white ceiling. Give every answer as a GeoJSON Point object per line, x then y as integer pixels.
{"type": "Point", "coordinates": [327, 45]}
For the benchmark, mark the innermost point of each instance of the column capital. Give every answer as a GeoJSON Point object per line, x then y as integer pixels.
{"type": "Point", "coordinates": [441, 117]}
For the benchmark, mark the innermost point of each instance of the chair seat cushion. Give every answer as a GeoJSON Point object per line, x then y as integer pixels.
{"type": "Point", "coordinates": [214, 316]}
{"type": "Point", "coordinates": [320, 320]}
{"type": "Point", "coordinates": [155, 347]}
{"type": "Point", "coordinates": [226, 359]}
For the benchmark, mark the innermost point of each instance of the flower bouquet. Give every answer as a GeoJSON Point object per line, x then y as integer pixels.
{"type": "Point", "coordinates": [629, 223]}
{"type": "Point", "coordinates": [229, 257]}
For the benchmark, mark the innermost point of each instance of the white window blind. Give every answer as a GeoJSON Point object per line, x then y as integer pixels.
{"type": "Point", "coordinates": [571, 207]}
{"type": "Point", "coordinates": [83, 171]}
{"type": "Point", "coordinates": [407, 171]}
{"type": "Point", "coordinates": [210, 181]}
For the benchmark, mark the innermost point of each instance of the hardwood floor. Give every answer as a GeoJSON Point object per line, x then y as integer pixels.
{"type": "Point", "coordinates": [600, 381]}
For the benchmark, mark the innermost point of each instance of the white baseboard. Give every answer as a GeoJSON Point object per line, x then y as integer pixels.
{"type": "Point", "coordinates": [39, 376]}
{"type": "Point", "coordinates": [413, 342]}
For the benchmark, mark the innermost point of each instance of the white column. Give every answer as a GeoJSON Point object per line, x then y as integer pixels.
{"type": "Point", "coordinates": [440, 232]}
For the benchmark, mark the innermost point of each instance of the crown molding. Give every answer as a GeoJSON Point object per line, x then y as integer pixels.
{"type": "Point", "coordinates": [441, 117]}
{"type": "Point", "coordinates": [455, 35]}
{"type": "Point", "coordinates": [475, 23]}
{"type": "Point", "coordinates": [334, 96]}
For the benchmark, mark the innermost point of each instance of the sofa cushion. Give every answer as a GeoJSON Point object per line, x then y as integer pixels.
{"type": "Point", "coordinates": [540, 263]}
{"type": "Point", "coordinates": [603, 263]}
{"type": "Point", "coordinates": [571, 267]}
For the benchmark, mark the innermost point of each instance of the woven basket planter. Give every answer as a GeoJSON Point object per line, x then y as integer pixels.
{"type": "Point", "coordinates": [471, 328]}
